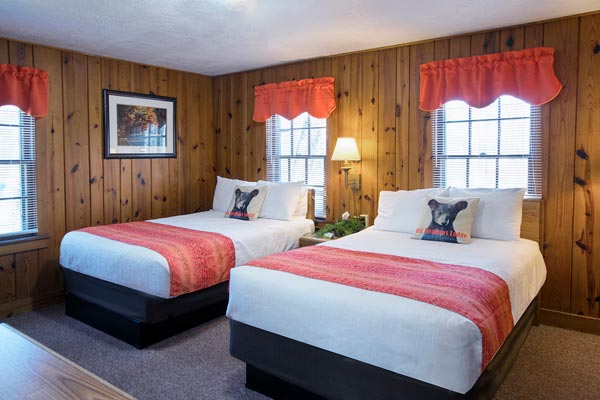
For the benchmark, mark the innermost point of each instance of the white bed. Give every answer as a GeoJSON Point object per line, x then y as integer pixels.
{"type": "Point", "coordinates": [147, 271]}
{"type": "Point", "coordinates": [381, 329]}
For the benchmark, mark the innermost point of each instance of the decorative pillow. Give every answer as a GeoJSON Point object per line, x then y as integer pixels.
{"type": "Point", "coordinates": [281, 200]}
{"type": "Point", "coordinates": [224, 191]}
{"type": "Point", "coordinates": [447, 219]}
{"type": "Point", "coordinates": [246, 202]}
{"type": "Point", "coordinates": [499, 213]}
{"type": "Point", "coordinates": [401, 211]}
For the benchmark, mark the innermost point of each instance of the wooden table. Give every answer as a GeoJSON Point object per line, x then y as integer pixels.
{"type": "Point", "coordinates": [310, 240]}
{"type": "Point", "coordinates": [29, 370]}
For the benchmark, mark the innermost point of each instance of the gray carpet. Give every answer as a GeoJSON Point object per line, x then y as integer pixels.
{"type": "Point", "coordinates": [553, 364]}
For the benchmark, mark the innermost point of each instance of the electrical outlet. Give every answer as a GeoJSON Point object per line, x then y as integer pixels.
{"type": "Point", "coordinates": [365, 219]}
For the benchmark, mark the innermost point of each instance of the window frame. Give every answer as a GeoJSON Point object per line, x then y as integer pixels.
{"type": "Point", "coordinates": [27, 179]}
{"type": "Point", "coordinates": [534, 156]}
{"type": "Point", "coordinates": [274, 157]}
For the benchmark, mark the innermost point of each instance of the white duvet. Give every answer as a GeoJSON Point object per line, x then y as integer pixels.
{"type": "Point", "coordinates": [411, 338]}
{"type": "Point", "coordinates": [145, 270]}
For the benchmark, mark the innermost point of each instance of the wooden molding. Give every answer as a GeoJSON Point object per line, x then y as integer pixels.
{"type": "Point", "coordinates": [570, 321]}
{"type": "Point", "coordinates": [29, 304]}
{"type": "Point", "coordinates": [27, 244]}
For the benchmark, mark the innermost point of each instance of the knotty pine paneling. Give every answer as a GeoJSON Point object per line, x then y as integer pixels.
{"type": "Point", "coordinates": [586, 263]}
{"type": "Point", "coordinates": [377, 94]}
{"type": "Point", "coordinates": [77, 187]}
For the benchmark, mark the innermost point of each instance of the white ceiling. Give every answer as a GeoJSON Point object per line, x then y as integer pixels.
{"type": "Point", "coordinates": [215, 37]}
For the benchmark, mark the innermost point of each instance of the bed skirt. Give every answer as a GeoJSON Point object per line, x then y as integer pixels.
{"type": "Point", "coordinates": [283, 368]}
{"type": "Point", "coordinates": [135, 317]}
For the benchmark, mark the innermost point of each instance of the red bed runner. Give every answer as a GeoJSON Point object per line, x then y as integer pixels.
{"type": "Point", "coordinates": [476, 294]}
{"type": "Point", "coordinates": [197, 259]}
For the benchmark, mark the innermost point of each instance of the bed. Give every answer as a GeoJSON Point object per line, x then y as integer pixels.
{"type": "Point", "coordinates": [126, 290]}
{"type": "Point", "coordinates": [306, 338]}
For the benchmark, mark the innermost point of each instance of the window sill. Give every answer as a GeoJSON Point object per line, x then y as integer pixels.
{"type": "Point", "coordinates": [24, 244]}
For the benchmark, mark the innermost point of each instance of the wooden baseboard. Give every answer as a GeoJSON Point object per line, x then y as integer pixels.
{"type": "Point", "coordinates": [570, 321]}
{"type": "Point", "coordinates": [29, 304]}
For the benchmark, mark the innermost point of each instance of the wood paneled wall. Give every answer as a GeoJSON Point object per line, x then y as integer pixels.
{"type": "Point", "coordinates": [77, 187]}
{"type": "Point", "coordinates": [377, 103]}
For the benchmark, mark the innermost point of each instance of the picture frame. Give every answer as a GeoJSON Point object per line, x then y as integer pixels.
{"type": "Point", "coordinates": [139, 125]}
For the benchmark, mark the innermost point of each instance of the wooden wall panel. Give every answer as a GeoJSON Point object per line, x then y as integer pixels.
{"type": "Point", "coordinates": [51, 170]}
{"type": "Point", "coordinates": [560, 150]}
{"type": "Point", "coordinates": [402, 114]}
{"type": "Point", "coordinates": [96, 138]}
{"type": "Point", "coordinates": [369, 133]}
{"type": "Point", "coordinates": [159, 166]}
{"type": "Point", "coordinates": [77, 187]}
{"type": "Point", "coordinates": [586, 263]}
{"type": "Point", "coordinates": [76, 144]}
{"type": "Point", "coordinates": [386, 121]}
{"type": "Point", "coordinates": [420, 167]}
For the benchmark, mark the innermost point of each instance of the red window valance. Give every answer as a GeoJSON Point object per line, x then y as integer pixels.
{"type": "Point", "coordinates": [24, 87]}
{"type": "Point", "coordinates": [290, 99]}
{"type": "Point", "coordinates": [527, 74]}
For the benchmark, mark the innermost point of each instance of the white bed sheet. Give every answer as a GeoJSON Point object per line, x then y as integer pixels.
{"type": "Point", "coordinates": [411, 338]}
{"type": "Point", "coordinates": [145, 270]}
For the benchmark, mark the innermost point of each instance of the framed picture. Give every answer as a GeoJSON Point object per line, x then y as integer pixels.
{"type": "Point", "coordinates": [138, 125]}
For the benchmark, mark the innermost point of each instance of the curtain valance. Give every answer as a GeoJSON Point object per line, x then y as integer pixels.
{"type": "Point", "coordinates": [479, 80]}
{"type": "Point", "coordinates": [24, 87]}
{"type": "Point", "coordinates": [292, 98]}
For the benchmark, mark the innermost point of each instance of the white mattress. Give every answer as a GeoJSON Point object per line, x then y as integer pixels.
{"type": "Point", "coordinates": [146, 270]}
{"type": "Point", "coordinates": [411, 338]}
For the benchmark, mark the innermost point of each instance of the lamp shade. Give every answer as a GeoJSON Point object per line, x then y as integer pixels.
{"type": "Point", "coordinates": [345, 150]}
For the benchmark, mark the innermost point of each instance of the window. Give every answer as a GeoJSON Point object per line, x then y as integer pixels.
{"type": "Point", "coordinates": [296, 151]}
{"type": "Point", "coordinates": [498, 146]}
{"type": "Point", "coordinates": [18, 209]}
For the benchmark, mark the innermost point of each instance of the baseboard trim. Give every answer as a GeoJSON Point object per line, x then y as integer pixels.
{"type": "Point", "coordinates": [570, 321]}
{"type": "Point", "coordinates": [26, 304]}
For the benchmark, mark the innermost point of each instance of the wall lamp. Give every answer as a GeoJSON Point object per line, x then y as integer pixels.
{"type": "Point", "coordinates": [347, 150]}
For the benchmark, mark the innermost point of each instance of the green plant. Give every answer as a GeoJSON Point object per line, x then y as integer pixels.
{"type": "Point", "coordinates": [342, 227]}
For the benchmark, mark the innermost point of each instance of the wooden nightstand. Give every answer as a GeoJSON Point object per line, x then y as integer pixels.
{"type": "Point", "coordinates": [310, 240]}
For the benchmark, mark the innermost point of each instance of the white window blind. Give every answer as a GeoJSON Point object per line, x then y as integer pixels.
{"type": "Point", "coordinates": [296, 152]}
{"type": "Point", "coordinates": [18, 208]}
{"type": "Point", "coordinates": [499, 146]}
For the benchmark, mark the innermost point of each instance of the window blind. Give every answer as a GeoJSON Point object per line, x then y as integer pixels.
{"type": "Point", "coordinates": [296, 151]}
{"type": "Point", "coordinates": [499, 146]}
{"type": "Point", "coordinates": [18, 205]}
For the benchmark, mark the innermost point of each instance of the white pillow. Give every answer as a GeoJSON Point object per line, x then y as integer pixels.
{"type": "Point", "coordinates": [401, 211]}
{"type": "Point", "coordinates": [302, 206]}
{"type": "Point", "coordinates": [224, 192]}
{"type": "Point", "coordinates": [499, 212]}
{"type": "Point", "coordinates": [281, 201]}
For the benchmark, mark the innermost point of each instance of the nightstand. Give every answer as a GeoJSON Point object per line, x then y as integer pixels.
{"type": "Point", "coordinates": [310, 240]}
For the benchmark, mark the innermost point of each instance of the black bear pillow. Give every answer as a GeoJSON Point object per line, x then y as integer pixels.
{"type": "Point", "coordinates": [447, 219]}
{"type": "Point", "coordinates": [246, 203]}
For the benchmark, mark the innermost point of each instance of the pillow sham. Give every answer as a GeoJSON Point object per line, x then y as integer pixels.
{"type": "Point", "coordinates": [401, 211]}
{"type": "Point", "coordinates": [447, 219]}
{"type": "Point", "coordinates": [499, 213]}
{"type": "Point", "coordinates": [224, 190]}
{"type": "Point", "coordinates": [246, 203]}
{"type": "Point", "coordinates": [281, 200]}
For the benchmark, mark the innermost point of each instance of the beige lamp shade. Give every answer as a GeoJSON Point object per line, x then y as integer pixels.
{"type": "Point", "coordinates": [345, 150]}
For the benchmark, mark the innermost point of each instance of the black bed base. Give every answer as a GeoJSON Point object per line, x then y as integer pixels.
{"type": "Point", "coordinates": [283, 368]}
{"type": "Point", "coordinates": [135, 317]}
{"type": "Point", "coordinates": [138, 334]}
